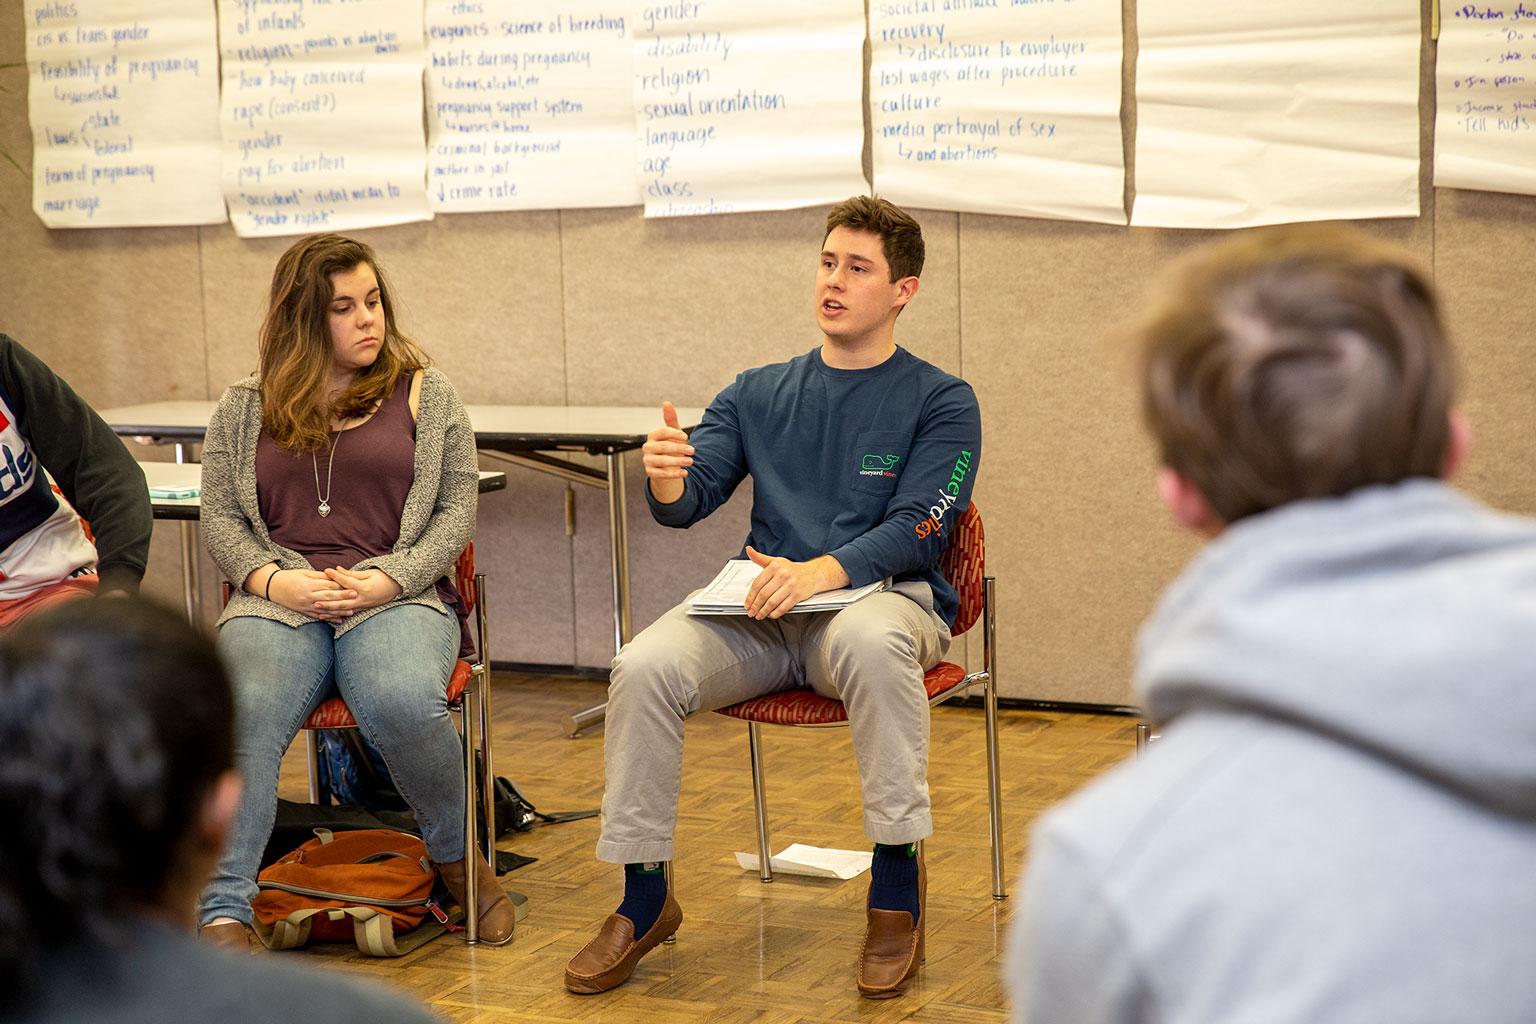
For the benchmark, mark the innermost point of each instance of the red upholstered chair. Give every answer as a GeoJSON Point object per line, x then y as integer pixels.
{"type": "Point", "coordinates": [963, 564]}
{"type": "Point", "coordinates": [469, 693]}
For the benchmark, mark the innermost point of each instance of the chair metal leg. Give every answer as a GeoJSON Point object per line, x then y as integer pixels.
{"type": "Point", "coordinates": [483, 685]}
{"type": "Point", "coordinates": [994, 798]}
{"type": "Point", "coordinates": [666, 873]}
{"type": "Point", "coordinates": [467, 716]}
{"type": "Point", "coordinates": [312, 764]}
{"type": "Point", "coordinates": [994, 789]}
{"type": "Point", "coordinates": [764, 853]}
{"type": "Point", "coordinates": [1146, 735]}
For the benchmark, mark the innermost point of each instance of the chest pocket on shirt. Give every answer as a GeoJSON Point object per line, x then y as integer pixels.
{"type": "Point", "coordinates": [876, 459]}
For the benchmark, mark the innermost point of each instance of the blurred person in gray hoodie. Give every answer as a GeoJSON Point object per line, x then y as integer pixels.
{"type": "Point", "coordinates": [1339, 822]}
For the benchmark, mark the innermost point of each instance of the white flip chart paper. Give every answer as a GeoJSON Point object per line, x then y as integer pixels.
{"type": "Point", "coordinates": [1485, 127]}
{"type": "Point", "coordinates": [124, 105]}
{"type": "Point", "coordinates": [530, 105]}
{"type": "Point", "coordinates": [992, 108]}
{"type": "Point", "coordinates": [322, 114]}
{"type": "Point", "coordinates": [748, 106]}
{"type": "Point", "coordinates": [1254, 113]}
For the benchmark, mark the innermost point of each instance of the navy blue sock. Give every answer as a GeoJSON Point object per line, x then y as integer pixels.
{"type": "Point", "coordinates": [645, 890]}
{"type": "Point", "coordinates": [893, 879]}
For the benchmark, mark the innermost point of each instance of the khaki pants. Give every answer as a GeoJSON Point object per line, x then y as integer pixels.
{"type": "Point", "coordinates": [871, 656]}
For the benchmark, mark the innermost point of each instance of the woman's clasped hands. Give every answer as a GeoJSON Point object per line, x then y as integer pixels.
{"type": "Point", "coordinates": [334, 594]}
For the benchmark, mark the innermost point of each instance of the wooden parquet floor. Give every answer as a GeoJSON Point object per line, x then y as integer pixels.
{"type": "Point", "coordinates": [747, 953]}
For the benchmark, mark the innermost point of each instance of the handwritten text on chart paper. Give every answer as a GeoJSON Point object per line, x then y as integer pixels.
{"type": "Point", "coordinates": [321, 114]}
{"type": "Point", "coordinates": [747, 107]}
{"type": "Point", "coordinates": [1025, 96]}
{"type": "Point", "coordinates": [530, 111]}
{"type": "Point", "coordinates": [1485, 124]}
{"type": "Point", "coordinates": [124, 115]}
{"type": "Point", "coordinates": [1501, 96]}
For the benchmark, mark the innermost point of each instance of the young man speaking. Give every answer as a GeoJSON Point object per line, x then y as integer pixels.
{"type": "Point", "coordinates": [862, 458]}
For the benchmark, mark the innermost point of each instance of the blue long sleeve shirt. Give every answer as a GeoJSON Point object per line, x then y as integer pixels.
{"type": "Point", "coordinates": [872, 466]}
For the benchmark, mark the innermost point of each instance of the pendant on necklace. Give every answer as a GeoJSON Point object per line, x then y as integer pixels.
{"type": "Point", "coordinates": [325, 509]}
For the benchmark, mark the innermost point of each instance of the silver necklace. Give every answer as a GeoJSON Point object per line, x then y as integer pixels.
{"type": "Point", "coordinates": [325, 499]}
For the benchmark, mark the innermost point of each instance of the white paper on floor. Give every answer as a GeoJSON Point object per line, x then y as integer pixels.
{"type": "Point", "coordinates": [800, 859]}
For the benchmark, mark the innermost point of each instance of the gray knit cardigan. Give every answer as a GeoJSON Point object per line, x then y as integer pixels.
{"type": "Point", "coordinates": [438, 519]}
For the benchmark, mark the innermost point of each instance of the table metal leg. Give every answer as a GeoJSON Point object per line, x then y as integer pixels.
{"type": "Point", "coordinates": [618, 551]}
{"type": "Point", "coordinates": [618, 554]}
{"type": "Point", "coordinates": [191, 566]}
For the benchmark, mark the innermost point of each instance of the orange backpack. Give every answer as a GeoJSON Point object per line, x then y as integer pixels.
{"type": "Point", "coordinates": [370, 886]}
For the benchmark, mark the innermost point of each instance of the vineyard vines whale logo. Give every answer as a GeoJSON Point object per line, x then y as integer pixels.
{"type": "Point", "coordinates": [878, 465]}
{"type": "Point", "coordinates": [948, 495]}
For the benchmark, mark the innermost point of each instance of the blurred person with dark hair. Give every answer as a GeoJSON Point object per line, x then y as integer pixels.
{"type": "Point", "coordinates": [1338, 822]}
{"type": "Point", "coordinates": [117, 787]}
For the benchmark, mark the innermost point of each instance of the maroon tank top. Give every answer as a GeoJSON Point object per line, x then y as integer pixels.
{"type": "Point", "coordinates": [370, 471]}
{"type": "Point", "coordinates": [364, 477]}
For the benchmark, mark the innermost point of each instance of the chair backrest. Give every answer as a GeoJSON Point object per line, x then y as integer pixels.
{"type": "Point", "coordinates": [464, 576]}
{"type": "Point", "coordinates": [964, 565]}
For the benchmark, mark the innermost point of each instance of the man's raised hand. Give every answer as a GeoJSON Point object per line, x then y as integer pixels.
{"type": "Point", "coordinates": [667, 456]}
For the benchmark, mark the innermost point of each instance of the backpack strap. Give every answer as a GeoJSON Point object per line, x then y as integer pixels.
{"type": "Point", "coordinates": [374, 858]}
{"type": "Point", "coordinates": [290, 933]}
{"type": "Point", "coordinates": [375, 933]}
{"type": "Point", "coordinates": [372, 931]}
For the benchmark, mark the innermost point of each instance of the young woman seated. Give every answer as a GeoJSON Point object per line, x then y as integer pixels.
{"type": "Point", "coordinates": [339, 486]}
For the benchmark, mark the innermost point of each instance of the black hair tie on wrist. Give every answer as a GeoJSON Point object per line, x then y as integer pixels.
{"type": "Point", "coordinates": [268, 594]}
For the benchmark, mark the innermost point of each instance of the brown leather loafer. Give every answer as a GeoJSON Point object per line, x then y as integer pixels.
{"type": "Point", "coordinates": [231, 936]}
{"type": "Point", "coordinates": [610, 958]}
{"type": "Point", "coordinates": [893, 946]}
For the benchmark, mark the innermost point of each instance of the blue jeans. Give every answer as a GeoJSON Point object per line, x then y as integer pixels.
{"type": "Point", "coordinates": [392, 670]}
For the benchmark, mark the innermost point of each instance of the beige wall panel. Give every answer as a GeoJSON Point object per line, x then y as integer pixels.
{"type": "Point", "coordinates": [237, 274]}
{"type": "Point", "coordinates": [1074, 533]}
{"type": "Point", "coordinates": [675, 308]}
{"type": "Point", "coordinates": [1066, 479]}
{"type": "Point", "coordinates": [930, 326]}
{"type": "Point", "coordinates": [520, 545]}
{"type": "Point", "coordinates": [1485, 247]}
{"type": "Point", "coordinates": [117, 313]}
{"type": "Point", "coordinates": [163, 579]}
{"type": "Point", "coordinates": [482, 294]}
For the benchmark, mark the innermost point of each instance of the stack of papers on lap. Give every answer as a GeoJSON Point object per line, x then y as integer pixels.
{"type": "Point", "coordinates": [727, 593]}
